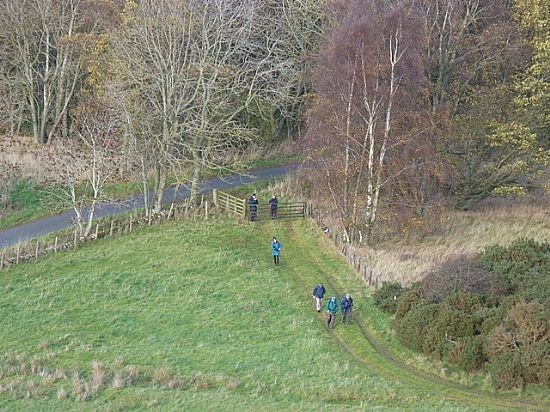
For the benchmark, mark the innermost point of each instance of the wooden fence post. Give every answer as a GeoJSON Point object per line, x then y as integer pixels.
{"type": "Point", "coordinates": [2, 260]}
{"type": "Point", "coordinates": [131, 221]}
{"type": "Point", "coordinates": [17, 253]}
{"type": "Point", "coordinates": [55, 245]}
{"type": "Point", "coordinates": [206, 209]}
{"type": "Point", "coordinates": [75, 236]}
{"type": "Point", "coordinates": [111, 229]}
{"type": "Point", "coordinates": [96, 230]}
{"type": "Point", "coordinates": [214, 197]}
{"type": "Point", "coordinates": [36, 250]}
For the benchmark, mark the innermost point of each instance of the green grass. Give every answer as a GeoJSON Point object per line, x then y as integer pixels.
{"type": "Point", "coordinates": [29, 202]}
{"type": "Point", "coordinates": [208, 322]}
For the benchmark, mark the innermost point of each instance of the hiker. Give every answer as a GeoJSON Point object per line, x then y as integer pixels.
{"type": "Point", "coordinates": [332, 308]}
{"type": "Point", "coordinates": [253, 207]}
{"type": "Point", "coordinates": [346, 304]}
{"type": "Point", "coordinates": [318, 294]}
{"type": "Point", "coordinates": [276, 247]}
{"type": "Point", "coordinates": [274, 205]}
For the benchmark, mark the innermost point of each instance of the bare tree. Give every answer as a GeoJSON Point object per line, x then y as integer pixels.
{"type": "Point", "coordinates": [189, 73]}
{"type": "Point", "coordinates": [289, 32]}
{"type": "Point", "coordinates": [94, 129]}
{"type": "Point", "coordinates": [41, 53]}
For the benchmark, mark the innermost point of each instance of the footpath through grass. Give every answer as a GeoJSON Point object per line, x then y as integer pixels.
{"type": "Point", "coordinates": [195, 316]}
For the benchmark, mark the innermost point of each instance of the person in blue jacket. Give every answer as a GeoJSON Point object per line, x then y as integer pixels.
{"type": "Point", "coordinates": [318, 294]}
{"type": "Point", "coordinates": [276, 247]}
{"type": "Point", "coordinates": [332, 309]}
{"type": "Point", "coordinates": [346, 304]}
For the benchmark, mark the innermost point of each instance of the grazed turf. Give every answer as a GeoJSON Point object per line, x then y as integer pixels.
{"type": "Point", "coordinates": [199, 309]}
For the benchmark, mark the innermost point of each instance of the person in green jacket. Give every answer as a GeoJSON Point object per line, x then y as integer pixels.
{"type": "Point", "coordinates": [332, 308]}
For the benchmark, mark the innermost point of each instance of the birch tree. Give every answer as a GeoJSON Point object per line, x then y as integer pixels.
{"type": "Point", "coordinates": [369, 74]}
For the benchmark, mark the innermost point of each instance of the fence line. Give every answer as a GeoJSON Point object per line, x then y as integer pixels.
{"type": "Point", "coordinates": [34, 248]}
{"type": "Point", "coordinates": [351, 252]}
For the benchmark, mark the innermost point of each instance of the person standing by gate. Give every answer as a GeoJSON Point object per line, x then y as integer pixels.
{"type": "Point", "coordinates": [318, 294]}
{"type": "Point", "coordinates": [274, 206]}
{"type": "Point", "coordinates": [253, 207]}
{"type": "Point", "coordinates": [276, 247]}
{"type": "Point", "coordinates": [346, 304]}
{"type": "Point", "coordinates": [332, 308]}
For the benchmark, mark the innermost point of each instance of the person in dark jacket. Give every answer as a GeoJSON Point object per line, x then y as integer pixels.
{"type": "Point", "coordinates": [253, 207]}
{"type": "Point", "coordinates": [276, 247]}
{"type": "Point", "coordinates": [332, 309]}
{"type": "Point", "coordinates": [346, 304]}
{"type": "Point", "coordinates": [274, 203]}
{"type": "Point", "coordinates": [318, 294]}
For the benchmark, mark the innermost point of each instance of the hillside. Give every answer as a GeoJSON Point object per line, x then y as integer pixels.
{"type": "Point", "coordinates": [194, 315]}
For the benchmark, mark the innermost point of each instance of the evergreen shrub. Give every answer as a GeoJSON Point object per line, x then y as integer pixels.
{"type": "Point", "coordinates": [387, 296]}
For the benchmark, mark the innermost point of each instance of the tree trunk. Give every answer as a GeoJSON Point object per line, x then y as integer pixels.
{"type": "Point", "coordinates": [160, 184]}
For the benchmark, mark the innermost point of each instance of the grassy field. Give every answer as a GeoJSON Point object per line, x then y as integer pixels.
{"type": "Point", "coordinates": [195, 316]}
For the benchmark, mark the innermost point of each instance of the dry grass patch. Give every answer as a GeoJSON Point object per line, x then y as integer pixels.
{"type": "Point", "coordinates": [166, 378]}
{"type": "Point", "coordinates": [464, 234]}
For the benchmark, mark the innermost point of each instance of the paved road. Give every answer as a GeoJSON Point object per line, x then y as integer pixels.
{"type": "Point", "coordinates": [63, 220]}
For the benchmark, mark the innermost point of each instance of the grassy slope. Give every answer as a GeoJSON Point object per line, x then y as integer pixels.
{"type": "Point", "coordinates": [203, 300]}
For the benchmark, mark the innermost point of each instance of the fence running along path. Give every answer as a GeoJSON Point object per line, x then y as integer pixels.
{"type": "Point", "coordinates": [34, 248]}
{"type": "Point", "coordinates": [351, 253]}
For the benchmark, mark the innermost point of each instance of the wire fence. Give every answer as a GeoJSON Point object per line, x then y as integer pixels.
{"type": "Point", "coordinates": [35, 248]}
{"type": "Point", "coordinates": [352, 253]}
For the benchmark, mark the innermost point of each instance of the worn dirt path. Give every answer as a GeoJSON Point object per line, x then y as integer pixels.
{"type": "Point", "coordinates": [377, 358]}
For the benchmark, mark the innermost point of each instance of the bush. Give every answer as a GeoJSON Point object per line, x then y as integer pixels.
{"type": "Point", "coordinates": [413, 327]}
{"type": "Point", "coordinates": [530, 323]}
{"type": "Point", "coordinates": [535, 363]}
{"type": "Point", "coordinates": [465, 301]}
{"type": "Point", "coordinates": [448, 325]}
{"type": "Point", "coordinates": [524, 267]}
{"type": "Point", "coordinates": [386, 298]}
{"type": "Point", "coordinates": [460, 275]}
{"type": "Point", "coordinates": [506, 372]}
{"type": "Point", "coordinates": [471, 356]}
{"type": "Point", "coordinates": [524, 336]}
{"type": "Point", "coordinates": [407, 301]}
{"type": "Point", "coordinates": [487, 319]}
{"type": "Point", "coordinates": [462, 312]}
